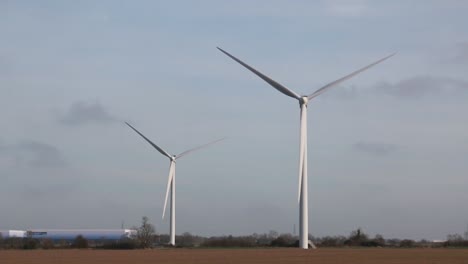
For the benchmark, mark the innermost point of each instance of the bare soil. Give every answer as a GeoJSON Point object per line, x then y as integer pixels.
{"type": "Point", "coordinates": [244, 256]}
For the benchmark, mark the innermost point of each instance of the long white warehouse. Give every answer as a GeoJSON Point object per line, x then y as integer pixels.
{"type": "Point", "coordinates": [70, 234]}
{"type": "Point", "coordinates": [12, 233]}
{"type": "Point", "coordinates": [90, 234]}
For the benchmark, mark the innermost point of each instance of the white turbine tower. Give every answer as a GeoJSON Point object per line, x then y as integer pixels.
{"type": "Point", "coordinates": [303, 101]}
{"type": "Point", "coordinates": [171, 178]}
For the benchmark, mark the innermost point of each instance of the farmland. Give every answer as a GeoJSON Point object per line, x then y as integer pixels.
{"type": "Point", "coordinates": [326, 256]}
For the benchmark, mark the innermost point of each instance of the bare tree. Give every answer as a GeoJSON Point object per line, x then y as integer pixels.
{"type": "Point", "coordinates": [379, 240]}
{"type": "Point", "coordinates": [272, 234]}
{"type": "Point", "coordinates": [357, 238]}
{"type": "Point", "coordinates": [454, 238]}
{"type": "Point", "coordinates": [145, 233]}
{"type": "Point", "coordinates": [47, 244]}
{"type": "Point", "coordinates": [186, 240]}
{"type": "Point", "coordinates": [283, 240]}
{"type": "Point", "coordinates": [80, 242]}
{"type": "Point", "coordinates": [407, 243]}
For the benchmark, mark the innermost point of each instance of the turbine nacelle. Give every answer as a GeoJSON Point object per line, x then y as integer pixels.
{"type": "Point", "coordinates": [304, 100]}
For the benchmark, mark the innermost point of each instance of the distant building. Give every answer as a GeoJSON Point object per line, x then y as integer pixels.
{"type": "Point", "coordinates": [12, 233]}
{"type": "Point", "coordinates": [70, 234]}
{"type": "Point", "coordinates": [89, 234]}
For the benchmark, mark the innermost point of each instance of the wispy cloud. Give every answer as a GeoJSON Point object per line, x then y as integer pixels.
{"type": "Point", "coordinates": [424, 85]}
{"type": "Point", "coordinates": [85, 113]}
{"type": "Point", "coordinates": [33, 154]}
{"type": "Point", "coordinates": [375, 148]}
{"type": "Point", "coordinates": [38, 170]}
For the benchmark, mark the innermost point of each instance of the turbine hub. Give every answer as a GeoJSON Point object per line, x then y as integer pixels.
{"type": "Point", "coordinates": [173, 158]}
{"type": "Point", "coordinates": [304, 100]}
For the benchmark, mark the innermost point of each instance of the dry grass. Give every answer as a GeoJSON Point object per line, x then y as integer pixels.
{"type": "Point", "coordinates": [244, 256]}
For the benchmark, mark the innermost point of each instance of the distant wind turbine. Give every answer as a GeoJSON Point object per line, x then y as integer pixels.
{"type": "Point", "coordinates": [171, 178]}
{"type": "Point", "coordinates": [303, 101]}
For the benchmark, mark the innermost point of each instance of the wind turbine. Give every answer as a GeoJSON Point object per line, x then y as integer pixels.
{"type": "Point", "coordinates": [171, 178]}
{"type": "Point", "coordinates": [303, 101]}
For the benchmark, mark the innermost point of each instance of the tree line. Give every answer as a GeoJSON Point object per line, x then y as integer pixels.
{"type": "Point", "coordinates": [146, 237]}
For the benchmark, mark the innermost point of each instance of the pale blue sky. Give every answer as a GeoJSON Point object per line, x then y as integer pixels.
{"type": "Point", "coordinates": [387, 149]}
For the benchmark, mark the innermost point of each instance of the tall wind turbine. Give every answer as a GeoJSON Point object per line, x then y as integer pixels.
{"type": "Point", "coordinates": [171, 178]}
{"type": "Point", "coordinates": [303, 101]}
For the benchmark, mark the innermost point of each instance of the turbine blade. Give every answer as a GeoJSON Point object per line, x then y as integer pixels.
{"type": "Point", "coordinates": [273, 83]}
{"type": "Point", "coordinates": [334, 83]}
{"type": "Point", "coordinates": [301, 150]}
{"type": "Point", "coordinates": [169, 181]}
{"type": "Point", "coordinates": [198, 148]}
{"type": "Point", "coordinates": [149, 141]}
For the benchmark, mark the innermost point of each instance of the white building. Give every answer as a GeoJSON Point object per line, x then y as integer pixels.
{"type": "Point", "coordinates": [12, 233]}
{"type": "Point", "coordinates": [89, 234]}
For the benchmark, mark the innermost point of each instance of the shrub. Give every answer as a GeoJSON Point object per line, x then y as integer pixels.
{"type": "Point", "coordinates": [80, 242]}
{"type": "Point", "coordinates": [30, 243]}
{"type": "Point", "coordinates": [47, 244]}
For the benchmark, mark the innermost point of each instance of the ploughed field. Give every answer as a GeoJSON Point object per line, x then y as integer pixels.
{"type": "Point", "coordinates": [244, 256]}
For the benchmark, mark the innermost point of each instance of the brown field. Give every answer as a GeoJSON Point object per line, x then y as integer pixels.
{"type": "Point", "coordinates": [244, 256]}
